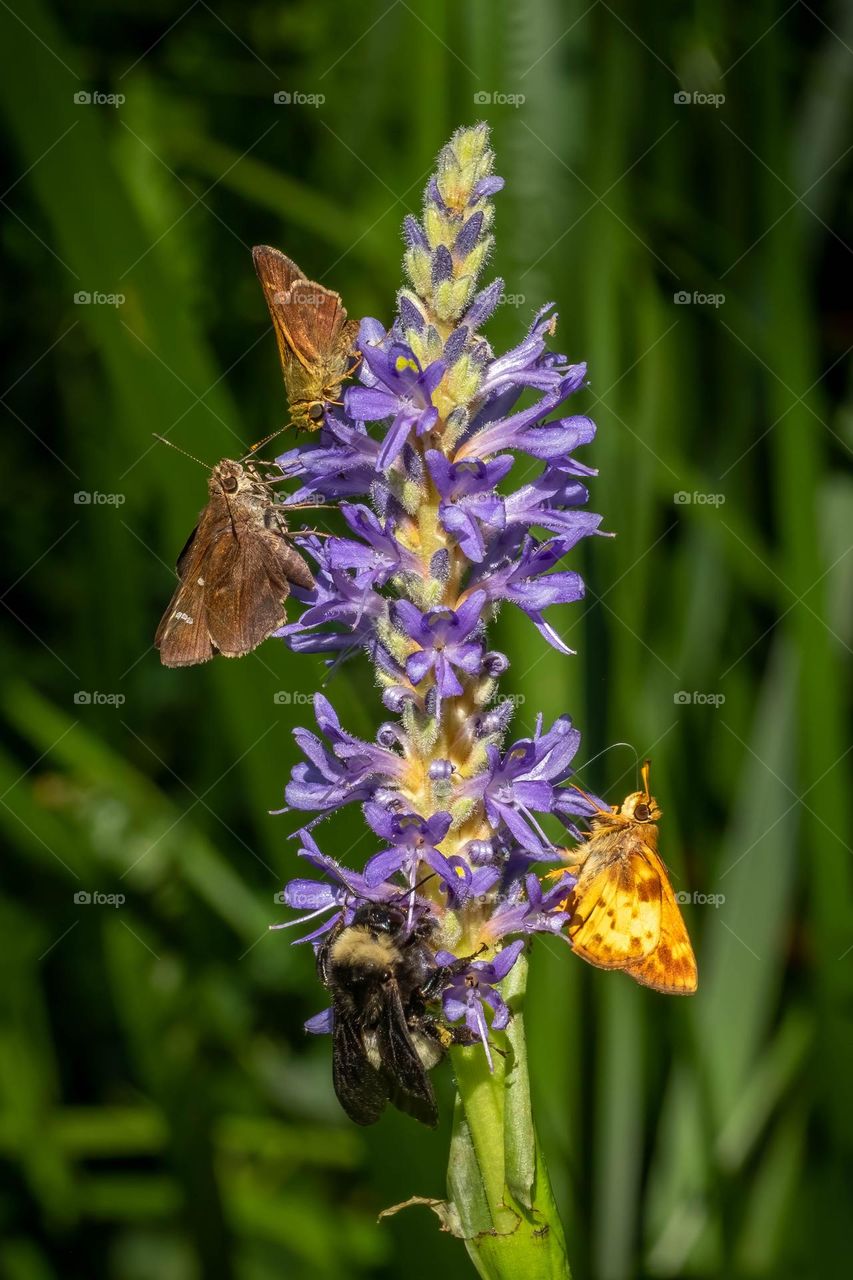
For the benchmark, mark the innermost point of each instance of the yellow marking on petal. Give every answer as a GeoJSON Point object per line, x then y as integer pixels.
{"type": "Point", "coordinates": [403, 362]}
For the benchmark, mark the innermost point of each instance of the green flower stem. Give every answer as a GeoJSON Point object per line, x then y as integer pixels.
{"type": "Point", "coordinates": [497, 1179]}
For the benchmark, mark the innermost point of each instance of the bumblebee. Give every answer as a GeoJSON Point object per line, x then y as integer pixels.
{"type": "Point", "coordinates": [381, 974]}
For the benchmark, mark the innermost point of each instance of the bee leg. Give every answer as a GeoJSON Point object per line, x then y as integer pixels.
{"type": "Point", "coordinates": [440, 976]}
{"type": "Point", "coordinates": [324, 951]}
{"type": "Point", "coordinates": [445, 1034]}
{"type": "Point", "coordinates": [448, 1036]}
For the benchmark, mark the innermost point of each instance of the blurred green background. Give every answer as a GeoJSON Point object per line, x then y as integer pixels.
{"type": "Point", "coordinates": [163, 1114]}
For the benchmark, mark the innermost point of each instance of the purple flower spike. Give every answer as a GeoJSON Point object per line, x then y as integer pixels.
{"type": "Point", "coordinates": [422, 462]}
{"type": "Point", "coordinates": [321, 1024]}
{"type": "Point", "coordinates": [528, 910]}
{"type": "Point", "coordinates": [381, 557]}
{"type": "Point", "coordinates": [495, 429]}
{"type": "Point", "coordinates": [526, 583]}
{"type": "Point", "coordinates": [483, 305]}
{"type": "Point", "coordinates": [530, 364]}
{"type": "Point", "coordinates": [471, 884]}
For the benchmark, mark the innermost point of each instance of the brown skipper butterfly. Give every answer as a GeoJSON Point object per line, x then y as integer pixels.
{"type": "Point", "coordinates": [236, 572]}
{"type": "Point", "coordinates": [316, 341]}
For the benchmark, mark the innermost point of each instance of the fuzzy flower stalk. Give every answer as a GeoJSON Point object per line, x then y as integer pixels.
{"type": "Point", "coordinates": [420, 460]}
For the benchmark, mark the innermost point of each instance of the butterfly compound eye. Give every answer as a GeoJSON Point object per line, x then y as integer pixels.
{"type": "Point", "coordinates": [229, 484]}
{"type": "Point", "coordinates": [316, 413]}
{"type": "Point", "coordinates": [642, 813]}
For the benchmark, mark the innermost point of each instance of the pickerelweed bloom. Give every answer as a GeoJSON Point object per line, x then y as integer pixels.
{"type": "Point", "coordinates": [420, 459]}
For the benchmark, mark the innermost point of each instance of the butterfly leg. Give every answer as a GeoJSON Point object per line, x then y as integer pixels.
{"type": "Point", "coordinates": [274, 521]}
{"type": "Point", "coordinates": [575, 858]}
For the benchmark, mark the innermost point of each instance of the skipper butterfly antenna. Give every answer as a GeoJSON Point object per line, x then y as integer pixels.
{"type": "Point", "coordinates": [589, 799]}
{"type": "Point", "coordinates": [260, 444]}
{"type": "Point", "coordinates": [178, 448]}
{"type": "Point", "coordinates": [612, 747]}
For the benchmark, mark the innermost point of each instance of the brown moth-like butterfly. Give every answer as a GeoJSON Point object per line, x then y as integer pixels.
{"type": "Point", "coordinates": [236, 572]}
{"type": "Point", "coordinates": [316, 341]}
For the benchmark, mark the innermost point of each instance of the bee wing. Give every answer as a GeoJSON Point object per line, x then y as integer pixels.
{"type": "Point", "coordinates": [407, 1080]}
{"type": "Point", "coordinates": [362, 1090]}
{"type": "Point", "coordinates": [616, 907]}
{"type": "Point", "coordinates": [671, 966]}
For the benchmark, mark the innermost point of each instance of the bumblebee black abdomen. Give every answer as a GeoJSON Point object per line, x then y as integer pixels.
{"type": "Point", "coordinates": [375, 969]}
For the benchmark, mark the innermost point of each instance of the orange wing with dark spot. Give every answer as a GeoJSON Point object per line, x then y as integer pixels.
{"type": "Point", "coordinates": [624, 916]}
{"type": "Point", "coordinates": [616, 908]}
{"type": "Point", "coordinates": [671, 967]}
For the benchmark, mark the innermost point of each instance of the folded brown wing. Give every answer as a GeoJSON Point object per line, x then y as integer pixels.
{"type": "Point", "coordinates": [182, 636]}
{"type": "Point", "coordinates": [307, 317]}
{"type": "Point", "coordinates": [278, 274]}
{"type": "Point", "coordinates": [288, 563]}
{"type": "Point", "coordinates": [312, 318]}
{"type": "Point", "coordinates": [276, 271]}
{"type": "Point", "coordinates": [246, 591]}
